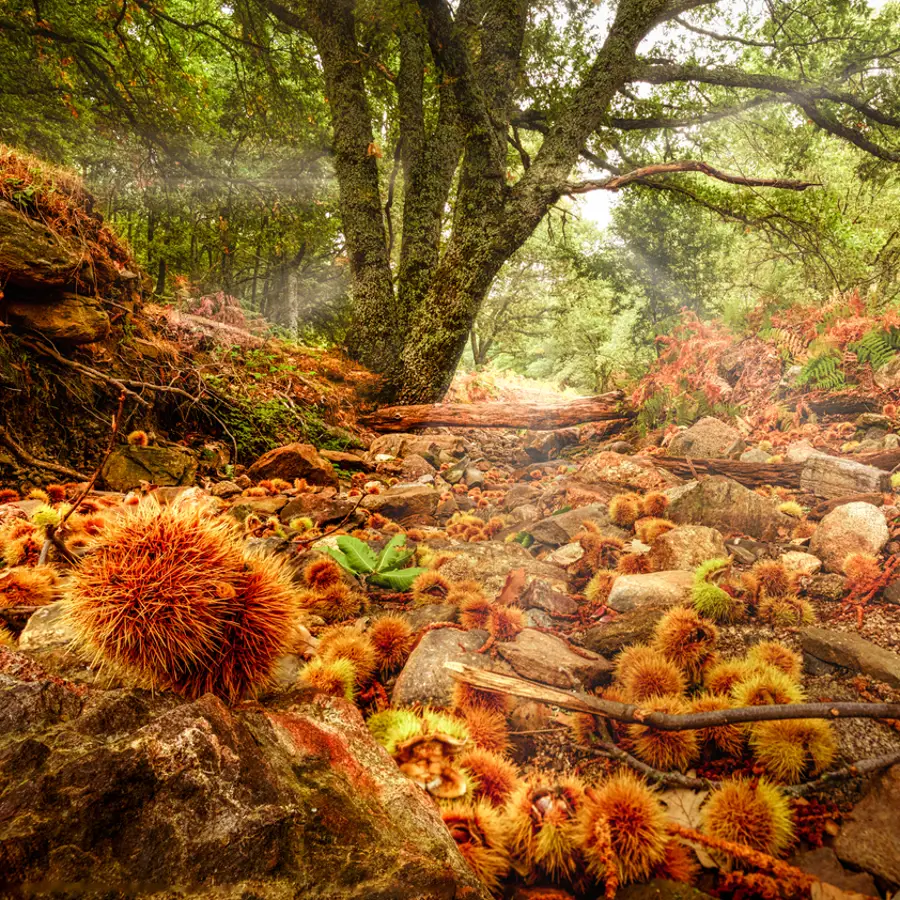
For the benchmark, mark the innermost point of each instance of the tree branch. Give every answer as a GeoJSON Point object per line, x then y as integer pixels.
{"type": "Point", "coordinates": [615, 182]}
{"type": "Point", "coordinates": [634, 714]}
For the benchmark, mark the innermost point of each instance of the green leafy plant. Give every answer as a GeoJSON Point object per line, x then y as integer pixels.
{"type": "Point", "coordinates": [823, 371]}
{"type": "Point", "coordinates": [877, 346]}
{"type": "Point", "coordinates": [385, 569]}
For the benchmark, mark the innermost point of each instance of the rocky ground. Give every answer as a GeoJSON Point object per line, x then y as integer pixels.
{"type": "Point", "coordinates": [110, 790]}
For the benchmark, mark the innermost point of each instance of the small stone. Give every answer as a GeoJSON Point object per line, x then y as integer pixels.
{"type": "Point", "coordinates": [537, 618]}
{"type": "Point", "coordinates": [541, 594]}
{"type": "Point", "coordinates": [403, 502]}
{"type": "Point", "coordinates": [425, 680]}
{"type": "Point", "coordinates": [873, 420]}
{"type": "Point", "coordinates": [754, 454]}
{"type": "Point", "coordinates": [420, 617]}
{"type": "Point", "coordinates": [415, 466]}
{"type": "Point", "coordinates": [892, 593]}
{"type": "Point", "coordinates": [294, 461]}
{"type": "Point", "coordinates": [561, 528]}
{"type": "Point", "coordinates": [632, 591]}
{"type": "Point", "coordinates": [851, 528]}
{"type": "Point", "coordinates": [722, 503]}
{"type": "Point", "coordinates": [708, 438]}
{"type": "Point", "coordinates": [824, 864]}
{"type": "Point", "coordinates": [319, 507]}
{"type": "Point", "coordinates": [686, 547]}
{"type": "Point", "coordinates": [520, 494]}
{"type": "Point", "coordinates": [801, 563]}
{"type": "Point", "coordinates": [549, 659]}
{"type": "Point", "coordinates": [225, 489]}
{"type": "Point", "coordinates": [800, 452]}
{"type": "Point", "coordinates": [565, 555]}
{"type": "Point", "coordinates": [129, 465]}
{"type": "Point", "coordinates": [829, 587]}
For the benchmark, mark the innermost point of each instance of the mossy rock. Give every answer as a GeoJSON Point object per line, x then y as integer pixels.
{"type": "Point", "coordinates": [128, 466]}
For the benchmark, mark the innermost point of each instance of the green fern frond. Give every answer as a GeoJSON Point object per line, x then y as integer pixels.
{"type": "Point", "coordinates": [823, 372]}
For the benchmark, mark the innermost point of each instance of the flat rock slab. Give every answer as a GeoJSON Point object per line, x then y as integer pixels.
{"type": "Point", "coordinates": [431, 446]}
{"type": "Point", "coordinates": [546, 658]}
{"type": "Point", "coordinates": [823, 863]}
{"type": "Point", "coordinates": [708, 438]}
{"type": "Point", "coordinates": [722, 503]}
{"type": "Point", "coordinates": [127, 788]}
{"type": "Point", "coordinates": [489, 562]}
{"type": "Point", "coordinates": [850, 651]}
{"type": "Point", "coordinates": [128, 466]}
{"type": "Point", "coordinates": [634, 627]}
{"type": "Point", "coordinates": [65, 317]}
{"type": "Point", "coordinates": [630, 473]}
{"type": "Point", "coordinates": [830, 477]}
{"type": "Point", "coordinates": [560, 529]}
{"type": "Point", "coordinates": [633, 591]}
{"type": "Point", "coordinates": [870, 836]}
{"type": "Point", "coordinates": [424, 678]}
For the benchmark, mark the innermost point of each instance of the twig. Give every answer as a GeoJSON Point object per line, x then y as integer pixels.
{"type": "Point", "coordinates": [627, 712]}
{"type": "Point", "coordinates": [660, 777]}
{"type": "Point", "coordinates": [30, 460]}
{"type": "Point", "coordinates": [854, 770]}
{"type": "Point", "coordinates": [117, 419]}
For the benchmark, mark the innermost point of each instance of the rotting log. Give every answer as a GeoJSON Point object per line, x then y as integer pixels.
{"type": "Point", "coordinates": [833, 476]}
{"type": "Point", "coordinates": [750, 474]}
{"type": "Point", "coordinates": [634, 713]}
{"type": "Point", "coordinates": [536, 417]}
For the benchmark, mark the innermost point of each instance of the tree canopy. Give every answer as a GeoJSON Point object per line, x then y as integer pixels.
{"type": "Point", "coordinates": [287, 150]}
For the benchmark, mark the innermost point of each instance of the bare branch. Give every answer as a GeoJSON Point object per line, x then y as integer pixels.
{"type": "Point", "coordinates": [631, 713]}
{"type": "Point", "coordinates": [615, 182]}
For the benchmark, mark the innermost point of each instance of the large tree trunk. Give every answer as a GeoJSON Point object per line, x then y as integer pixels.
{"type": "Point", "coordinates": [491, 220]}
{"type": "Point", "coordinates": [378, 321]}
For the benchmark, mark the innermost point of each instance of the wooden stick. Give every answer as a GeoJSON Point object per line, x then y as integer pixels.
{"type": "Point", "coordinates": [630, 713]}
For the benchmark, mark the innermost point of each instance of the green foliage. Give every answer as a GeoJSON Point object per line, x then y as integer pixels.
{"type": "Point", "coordinates": [823, 372]}
{"type": "Point", "coordinates": [664, 408]}
{"type": "Point", "coordinates": [877, 347]}
{"type": "Point", "coordinates": [385, 570]}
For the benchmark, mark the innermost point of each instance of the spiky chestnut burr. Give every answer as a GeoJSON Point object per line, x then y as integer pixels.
{"type": "Point", "coordinates": [755, 814]}
{"type": "Point", "coordinates": [540, 822]}
{"type": "Point", "coordinates": [788, 610]}
{"type": "Point", "coordinates": [687, 639]}
{"type": "Point", "coordinates": [170, 598]}
{"type": "Point", "coordinates": [665, 750]}
{"type": "Point", "coordinates": [766, 686]}
{"type": "Point", "coordinates": [138, 439]}
{"type": "Point", "coordinates": [636, 825]}
{"type": "Point", "coordinates": [474, 611]}
{"type": "Point", "coordinates": [793, 749]}
{"type": "Point", "coordinates": [777, 655]}
{"type": "Point", "coordinates": [654, 503]}
{"type": "Point", "coordinates": [724, 675]}
{"type": "Point", "coordinates": [633, 564]}
{"type": "Point", "coordinates": [711, 600]}
{"type": "Point", "coordinates": [728, 739]}
{"type": "Point", "coordinates": [465, 696]}
{"type": "Point", "coordinates": [346, 642]}
{"type": "Point", "coordinates": [477, 829]}
{"type": "Point", "coordinates": [336, 677]}
{"type": "Point", "coordinates": [487, 728]}
{"type": "Point", "coordinates": [430, 587]}
{"type": "Point", "coordinates": [392, 638]}
{"type": "Point", "coordinates": [650, 528]}
{"type": "Point", "coordinates": [598, 588]}
{"type": "Point", "coordinates": [643, 672]}
{"type": "Point", "coordinates": [493, 777]}
{"type": "Point", "coordinates": [323, 573]}
{"type": "Point", "coordinates": [625, 510]}
{"type": "Point", "coordinates": [28, 586]}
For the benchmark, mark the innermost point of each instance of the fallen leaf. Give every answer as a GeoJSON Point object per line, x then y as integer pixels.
{"type": "Point", "coordinates": [515, 583]}
{"type": "Point", "coordinates": [821, 890]}
{"type": "Point", "coordinates": [684, 808]}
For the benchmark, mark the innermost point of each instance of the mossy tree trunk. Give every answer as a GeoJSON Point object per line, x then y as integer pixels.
{"type": "Point", "coordinates": [414, 330]}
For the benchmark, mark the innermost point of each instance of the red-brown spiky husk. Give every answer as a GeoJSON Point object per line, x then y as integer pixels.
{"type": "Point", "coordinates": [8, 495]}
{"type": "Point", "coordinates": [56, 493]}
{"type": "Point", "coordinates": [323, 573]}
{"type": "Point", "coordinates": [392, 638]}
{"type": "Point", "coordinates": [465, 696]}
{"type": "Point", "coordinates": [487, 728]}
{"type": "Point", "coordinates": [654, 504]}
{"type": "Point", "coordinates": [475, 611]}
{"type": "Point", "coordinates": [28, 586]}
{"type": "Point", "coordinates": [170, 597]}
{"type": "Point", "coordinates": [495, 777]}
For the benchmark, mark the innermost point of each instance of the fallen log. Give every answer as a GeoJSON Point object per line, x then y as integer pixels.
{"type": "Point", "coordinates": [749, 474]}
{"type": "Point", "coordinates": [535, 417]}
